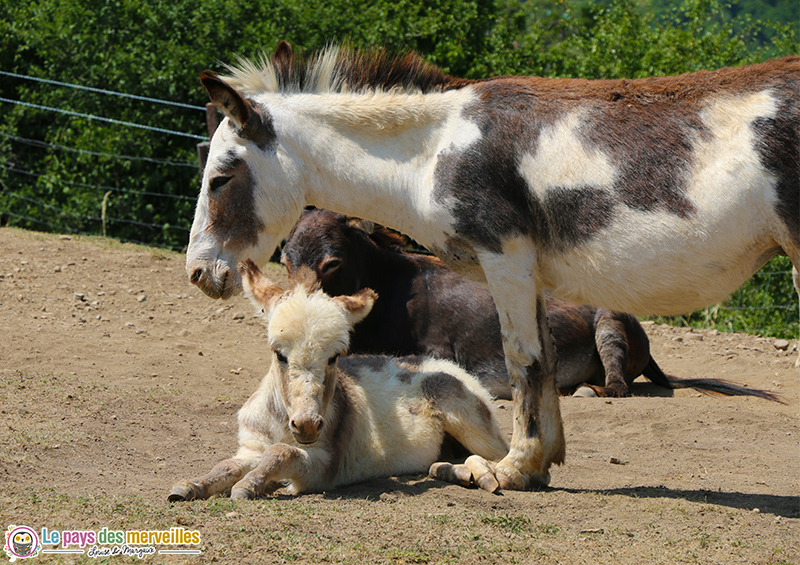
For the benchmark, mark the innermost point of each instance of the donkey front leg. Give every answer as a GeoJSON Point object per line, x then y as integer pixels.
{"type": "Point", "coordinates": [537, 439]}
{"type": "Point", "coordinates": [279, 462]}
{"type": "Point", "coordinates": [221, 478]}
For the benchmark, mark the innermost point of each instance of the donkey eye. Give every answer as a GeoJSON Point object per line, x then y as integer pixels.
{"type": "Point", "coordinates": [333, 359]}
{"type": "Point", "coordinates": [281, 357]}
{"type": "Point", "coordinates": [330, 266]}
{"type": "Point", "coordinates": [218, 182]}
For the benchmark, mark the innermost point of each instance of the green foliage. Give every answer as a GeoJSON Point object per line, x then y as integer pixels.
{"type": "Point", "coordinates": [766, 304]}
{"type": "Point", "coordinates": [57, 168]}
{"type": "Point", "coordinates": [618, 40]}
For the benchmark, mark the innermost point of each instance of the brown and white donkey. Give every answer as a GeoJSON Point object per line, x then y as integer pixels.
{"type": "Point", "coordinates": [649, 196]}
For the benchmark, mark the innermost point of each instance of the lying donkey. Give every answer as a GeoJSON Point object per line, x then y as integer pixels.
{"type": "Point", "coordinates": [425, 308]}
{"type": "Point", "coordinates": [318, 421]}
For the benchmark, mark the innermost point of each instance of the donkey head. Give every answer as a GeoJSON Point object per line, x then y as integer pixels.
{"type": "Point", "coordinates": [307, 332]}
{"type": "Point", "coordinates": [246, 202]}
{"type": "Point", "coordinates": [333, 246]}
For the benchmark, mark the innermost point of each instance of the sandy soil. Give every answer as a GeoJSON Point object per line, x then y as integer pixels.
{"type": "Point", "coordinates": [117, 379]}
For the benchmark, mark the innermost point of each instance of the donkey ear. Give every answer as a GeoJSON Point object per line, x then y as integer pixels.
{"type": "Point", "coordinates": [367, 226]}
{"type": "Point", "coordinates": [283, 54]}
{"type": "Point", "coordinates": [358, 305]}
{"type": "Point", "coordinates": [226, 98]}
{"type": "Point", "coordinates": [261, 291]}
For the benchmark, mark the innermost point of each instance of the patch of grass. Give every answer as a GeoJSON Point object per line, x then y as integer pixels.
{"type": "Point", "coordinates": [515, 524]}
{"type": "Point", "coordinates": [548, 529]}
{"type": "Point", "coordinates": [440, 519]}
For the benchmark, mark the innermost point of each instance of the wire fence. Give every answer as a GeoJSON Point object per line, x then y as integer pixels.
{"type": "Point", "coordinates": [768, 316]}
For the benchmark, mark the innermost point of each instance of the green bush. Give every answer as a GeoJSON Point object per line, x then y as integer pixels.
{"type": "Point", "coordinates": [58, 168]}
{"type": "Point", "coordinates": [766, 305]}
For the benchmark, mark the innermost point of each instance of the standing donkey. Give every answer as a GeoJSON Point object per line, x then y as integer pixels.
{"type": "Point", "coordinates": [319, 421]}
{"type": "Point", "coordinates": [650, 196]}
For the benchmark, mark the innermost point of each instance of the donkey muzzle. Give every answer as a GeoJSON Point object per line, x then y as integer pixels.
{"type": "Point", "coordinates": [306, 427]}
{"type": "Point", "coordinates": [214, 279]}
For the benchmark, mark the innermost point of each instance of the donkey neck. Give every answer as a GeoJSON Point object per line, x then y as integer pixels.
{"type": "Point", "coordinates": [374, 153]}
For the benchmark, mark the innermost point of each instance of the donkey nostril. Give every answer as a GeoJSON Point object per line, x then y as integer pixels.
{"type": "Point", "coordinates": [196, 275]}
{"type": "Point", "coordinates": [319, 425]}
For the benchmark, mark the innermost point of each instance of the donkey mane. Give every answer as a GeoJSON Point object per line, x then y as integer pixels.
{"type": "Point", "coordinates": [339, 69]}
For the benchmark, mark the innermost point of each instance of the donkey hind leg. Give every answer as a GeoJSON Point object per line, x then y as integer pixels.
{"type": "Point", "coordinates": [279, 463]}
{"type": "Point", "coordinates": [221, 478]}
{"type": "Point", "coordinates": [611, 339]}
{"type": "Point", "coordinates": [537, 439]}
{"type": "Point", "coordinates": [796, 278]}
{"type": "Point", "coordinates": [467, 417]}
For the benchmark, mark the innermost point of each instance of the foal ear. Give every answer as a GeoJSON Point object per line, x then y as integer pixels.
{"type": "Point", "coordinates": [358, 305]}
{"type": "Point", "coordinates": [261, 291]}
{"type": "Point", "coordinates": [226, 98]}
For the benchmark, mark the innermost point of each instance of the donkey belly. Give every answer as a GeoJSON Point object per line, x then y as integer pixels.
{"type": "Point", "coordinates": [655, 263]}
{"type": "Point", "coordinates": [388, 452]}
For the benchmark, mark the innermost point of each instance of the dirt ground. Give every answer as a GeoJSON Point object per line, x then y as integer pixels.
{"type": "Point", "coordinates": [118, 378]}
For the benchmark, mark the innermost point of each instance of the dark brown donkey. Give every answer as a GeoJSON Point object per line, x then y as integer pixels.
{"type": "Point", "coordinates": [425, 308]}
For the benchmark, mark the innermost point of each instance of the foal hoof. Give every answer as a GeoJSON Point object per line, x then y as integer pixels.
{"type": "Point", "coordinates": [482, 473]}
{"type": "Point", "coordinates": [182, 491]}
{"type": "Point", "coordinates": [456, 474]}
{"type": "Point", "coordinates": [242, 493]}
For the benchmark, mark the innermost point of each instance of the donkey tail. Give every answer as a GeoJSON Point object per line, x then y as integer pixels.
{"type": "Point", "coordinates": [708, 386]}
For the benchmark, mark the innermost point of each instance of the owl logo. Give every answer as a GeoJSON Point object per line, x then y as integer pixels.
{"type": "Point", "coordinates": [21, 543]}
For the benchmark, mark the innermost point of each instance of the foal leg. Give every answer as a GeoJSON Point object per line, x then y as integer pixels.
{"type": "Point", "coordinates": [221, 478]}
{"type": "Point", "coordinates": [279, 462]}
{"type": "Point", "coordinates": [467, 417]}
{"type": "Point", "coordinates": [537, 439]}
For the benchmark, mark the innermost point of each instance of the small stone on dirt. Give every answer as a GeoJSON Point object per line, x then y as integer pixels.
{"type": "Point", "coordinates": [781, 344]}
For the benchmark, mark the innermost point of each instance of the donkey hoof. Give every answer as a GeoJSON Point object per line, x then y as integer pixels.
{"type": "Point", "coordinates": [510, 478]}
{"type": "Point", "coordinates": [456, 474]}
{"type": "Point", "coordinates": [182, 491]}
{"type": "Point", "coordinates": [585, 392]}
{"type": "Point", "coordinates": [243, 493]}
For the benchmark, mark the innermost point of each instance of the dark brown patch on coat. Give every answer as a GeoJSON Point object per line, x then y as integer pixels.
{"type": "Point", "coordinates": [410, 363]}
{"type": "Point", "coordinates": [777, 141]}
{"type": "Point", "coordinates": [484, 412]}
{"type": "Point", "coordinates": [440, 386]}
{"type": "Point", "coordinates": [231, 208]}
{"type": "Point", "coordinates": [259, 128]}
{"type": "Point", "coordinates": [352, 364]}
{"type": "Point", "coordinates": [492, 199]}
{"type": "Point", "coordinates": [532, 396]}
{"type": "Point", "coordinates": [648, 127]}
{"type": "Point", "coordinates": [340, 420]}
{"type": "Point", "coordinates": [405, 377]}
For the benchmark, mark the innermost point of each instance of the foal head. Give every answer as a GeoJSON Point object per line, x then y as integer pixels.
{"type": "Point", "coordinates": [307, 332]}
